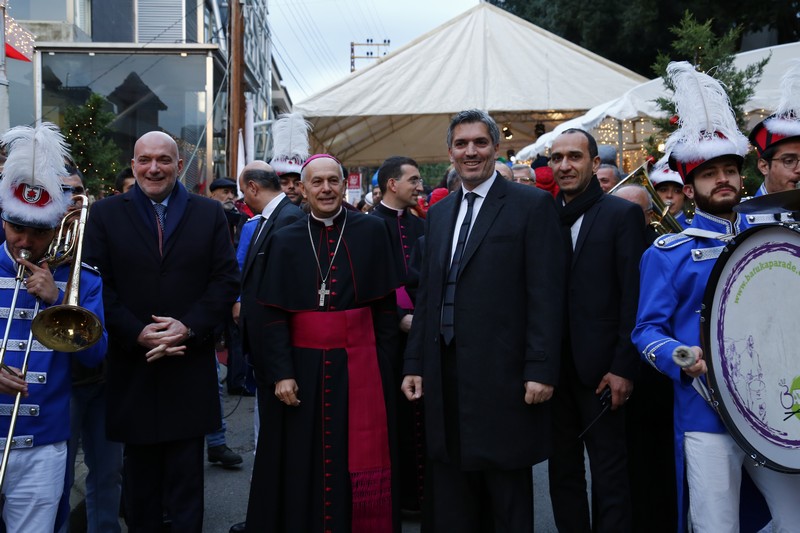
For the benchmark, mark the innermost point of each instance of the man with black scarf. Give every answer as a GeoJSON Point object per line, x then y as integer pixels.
{"type": "Point", "coordinates": [604, 238]}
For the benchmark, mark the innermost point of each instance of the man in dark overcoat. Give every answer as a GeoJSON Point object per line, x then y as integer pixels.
{"type": "Point", "coordinates": [170, 277]}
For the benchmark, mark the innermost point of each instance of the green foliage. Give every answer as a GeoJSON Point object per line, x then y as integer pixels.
{"type": "Point", "coordinates": [86, 128]}
{"type": "Point", "coordinates": [696, 43]}
{"type": "Point", "coordinates": [634, 32]}
{"type": "Point", "coordinates": [433, 173]}
{"type": "Point", "coordinates": [631, 32]}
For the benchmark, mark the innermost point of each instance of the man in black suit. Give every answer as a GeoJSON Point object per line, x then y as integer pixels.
{"type": "Point", "coordinates": [170, 277]}
{"type": "Point", "coordinates": [261, 188]}
{"type": "Point", "coordinates": [485, 339]}
{"type": "Point", "coordinates": [604, 237]}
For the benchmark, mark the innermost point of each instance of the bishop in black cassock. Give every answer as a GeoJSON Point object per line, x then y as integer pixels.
{"type": "Point", "coordinates": [325, 453]}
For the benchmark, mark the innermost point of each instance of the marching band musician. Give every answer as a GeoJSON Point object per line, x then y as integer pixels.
{"type": "Point", "coordinates": [777, 138]}
{"type": "Point", "coordinates": [669, 187]}
{"type": "Point", "coordinates": [33, 205]}
{"type": "Point", "coordinates": [708, 154]}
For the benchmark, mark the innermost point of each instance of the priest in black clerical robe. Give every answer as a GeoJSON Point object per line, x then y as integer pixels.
{"type": "Point", "coordinates": [400, 184]}
{"type": "Point", "coordinates": [326, 446]}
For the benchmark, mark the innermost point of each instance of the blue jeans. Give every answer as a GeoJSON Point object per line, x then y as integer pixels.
{"type": "Point", "coordinates": [218, 437]}
{"type": "Point", "coordinates": [102, 457]}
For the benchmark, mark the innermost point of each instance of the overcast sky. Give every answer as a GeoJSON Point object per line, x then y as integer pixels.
{"type": "Point", "coordinates": [312, 37]}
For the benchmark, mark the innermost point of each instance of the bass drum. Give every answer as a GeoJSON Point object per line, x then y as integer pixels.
{"type": "Point", "coordinates": [751, 343]}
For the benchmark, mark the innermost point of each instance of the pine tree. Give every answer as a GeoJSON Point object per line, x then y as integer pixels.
{"type": "Point", "coordinates": [696, 43]}
{"type": "Point", "coordinates": [86, 128]}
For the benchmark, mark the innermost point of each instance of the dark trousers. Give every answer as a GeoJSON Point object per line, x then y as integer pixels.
{"type": "Point", "coordinates": [574, 407]}
{"type": "Point", "coordinates": [483, 501]}
{"type": "Point", "coordinates": [479, 501]}
{"type": "Point", "coordinates": [237, 365]}
{"type": "Point", "coordinates": [651, 453]}
{"type": "Point", "coordinates": [164, 477]}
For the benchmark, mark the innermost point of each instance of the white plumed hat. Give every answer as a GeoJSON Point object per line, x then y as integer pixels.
{"type": "Point", "coordinates": [289, 143]}
{"type": "Point", "coordinates": [30, 191]}
{"type": "Point", "coordinates": [785, 122]}
{"type": "Point", "coordinates": [706, 123]}
{"type": "Point", "coordinates": [661, 173]}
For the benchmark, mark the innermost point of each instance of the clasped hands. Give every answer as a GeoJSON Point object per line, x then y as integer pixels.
{"type": "Point", "coordinates": [163, 337]}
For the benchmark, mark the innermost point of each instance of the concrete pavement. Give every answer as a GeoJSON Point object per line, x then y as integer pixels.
{"type": "Point", "coordinates": [226, 490]}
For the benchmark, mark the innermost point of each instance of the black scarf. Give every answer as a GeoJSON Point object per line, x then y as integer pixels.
{"type": "Point", "coordinates": [572, 211]}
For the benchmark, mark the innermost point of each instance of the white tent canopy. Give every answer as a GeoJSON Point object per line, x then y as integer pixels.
{"type": "Point", "coordinates": [639, 102]}
{"type": "Point", "coordinates": [484, 58]}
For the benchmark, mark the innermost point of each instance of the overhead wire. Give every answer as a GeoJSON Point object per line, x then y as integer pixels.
{"type": "Point", "coordinates": [351, 12]}
{"type": "Point", "coordinates": [277, 45]}
{"type": "Point", "coordinates": [312, 23]}
{"type": "Point", "coordinates": [374, 16]}
{"type": "Point", "coordinates": [313, 51]}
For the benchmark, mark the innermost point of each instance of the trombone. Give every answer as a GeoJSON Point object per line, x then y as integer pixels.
{"type": "Point", "coordinates": [663, 222]}
{"type": "Point", "coordinates": [65, 327]}
{"type": "Point", "coordinates": [68, 327]}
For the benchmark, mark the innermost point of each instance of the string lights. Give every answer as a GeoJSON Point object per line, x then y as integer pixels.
{"type": "Point", "coordinates": [18, 39]}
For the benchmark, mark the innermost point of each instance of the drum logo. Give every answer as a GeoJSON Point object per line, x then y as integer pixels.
{"type": "Point", "coordinates": [790, 398]}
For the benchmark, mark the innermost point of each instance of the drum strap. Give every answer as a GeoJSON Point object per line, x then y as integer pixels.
{"type": "Point", "coordinates": [706, 234]}
{"type": "Point", "coordinates": [702, 390]}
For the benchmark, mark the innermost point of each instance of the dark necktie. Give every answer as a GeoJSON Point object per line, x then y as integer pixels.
{"type": "Point", "coordinates": [450, 287]}
{"type": "Point", "coordinates": [257, 231]}
{"type": "Point", "coordinates": [161, 213]}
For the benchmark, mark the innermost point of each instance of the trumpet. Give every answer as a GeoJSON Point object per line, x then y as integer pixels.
{"type": "Point", "coordinates": [66, 327]}
{"type": "Point", "coordinates": [663, 222]}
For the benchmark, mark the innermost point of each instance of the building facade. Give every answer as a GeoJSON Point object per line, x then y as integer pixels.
{"type": "Point", "coordinates": [159, 65]}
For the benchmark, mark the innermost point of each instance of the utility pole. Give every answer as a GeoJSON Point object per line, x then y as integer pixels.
{"type": "Point", "coordinates": [236, 104]}
{"type": "Point", "coordinates": [369, 54]}
{"type": "Point", "coordinates": [4, 109]}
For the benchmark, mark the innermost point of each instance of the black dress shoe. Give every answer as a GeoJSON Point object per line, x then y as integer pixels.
{"type": "Point", "coordinates": [238, 528]}
{"type": "Point", "coordinates": [223, 455]}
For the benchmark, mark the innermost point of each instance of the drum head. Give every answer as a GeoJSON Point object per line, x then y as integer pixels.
{"type": "Point", "coordinates": [751, 343]}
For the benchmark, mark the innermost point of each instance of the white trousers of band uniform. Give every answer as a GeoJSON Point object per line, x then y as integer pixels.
{"type": "Point", "coordinates": [33, 486]}
{"type": "Point", "coordinates": [714, 472]}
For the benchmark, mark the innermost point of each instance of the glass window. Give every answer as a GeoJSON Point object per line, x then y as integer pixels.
{"type": "Point", "coordinates": [146, 92]}
{"type": "Point", "coordinates": [20, 92]}
{"type": "Point", "coordinates": [112, 21]}
{"type": "Point", "coordinates": [55, 10]}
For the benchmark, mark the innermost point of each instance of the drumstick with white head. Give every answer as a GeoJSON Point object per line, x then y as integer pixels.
{"type": "Point", "coordinates": [684, 356]}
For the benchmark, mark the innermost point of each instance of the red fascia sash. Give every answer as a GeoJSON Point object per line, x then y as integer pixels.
{"type": "Point", "coordinates": [368, 435]}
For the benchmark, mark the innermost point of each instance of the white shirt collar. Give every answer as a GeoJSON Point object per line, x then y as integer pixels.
{"type": "Point", "coordinates": [270, 207]}
{"type": "Point", "coordinates": [327, 221]}
{"type": "Point", "coordinates": [398, 211]}
{"type": "Point", "coordinates": [164, 202]}
{"type": "Point", "coordinates": [481, 190]}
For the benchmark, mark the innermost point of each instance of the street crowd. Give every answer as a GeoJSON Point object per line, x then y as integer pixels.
{"type": "Point", "coordinates": [413, 354]}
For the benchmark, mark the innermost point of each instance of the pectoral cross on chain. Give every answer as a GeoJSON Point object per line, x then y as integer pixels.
{"type": "Point", "coordinates": [323, 292]}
